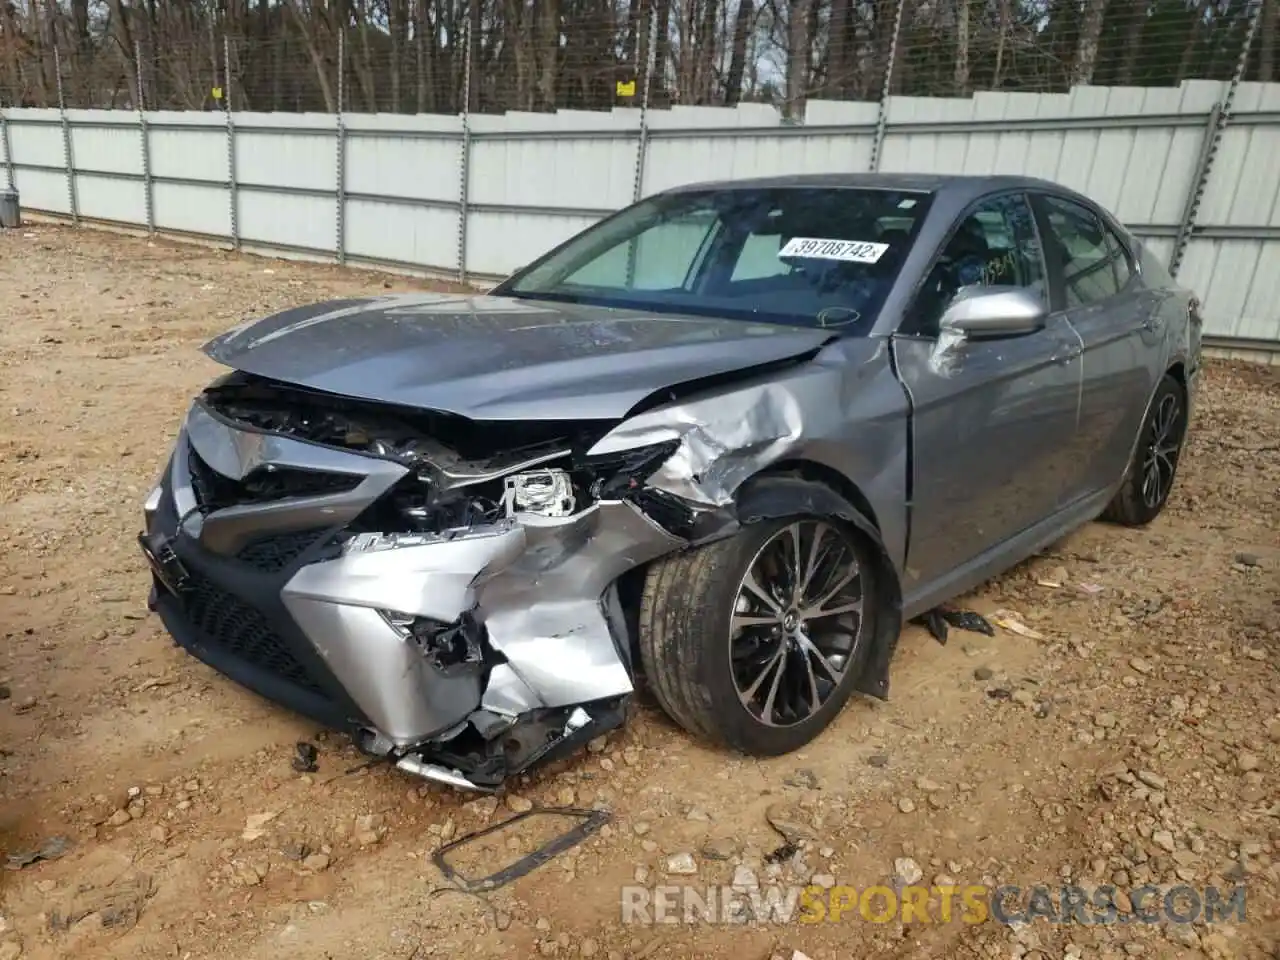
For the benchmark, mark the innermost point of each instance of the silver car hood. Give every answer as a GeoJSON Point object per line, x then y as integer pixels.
{"type": "Point", "coordinates": [496, 358]}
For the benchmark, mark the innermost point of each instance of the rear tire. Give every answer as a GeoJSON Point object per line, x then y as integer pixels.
{"type": "Point", "coordinates": [1147, 483]}
{"type": "Point", "coordinates": [787, 604]}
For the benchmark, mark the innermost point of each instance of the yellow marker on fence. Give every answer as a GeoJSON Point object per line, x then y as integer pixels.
{"type": "Point", "coordinates": [626, 88]}
{"type": "Point", "coordinates": [217, 93]}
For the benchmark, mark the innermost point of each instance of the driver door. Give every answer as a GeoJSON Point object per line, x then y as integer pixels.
{"type": "Point", "coordinates": [992, 418]}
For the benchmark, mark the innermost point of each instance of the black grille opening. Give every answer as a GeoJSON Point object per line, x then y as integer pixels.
{"type": "Point", "coordinates": [237, 627]}
{"type": "Point", "coordinates": [263, 485]}
{"type": "Point", "coordinates": [272, 554]}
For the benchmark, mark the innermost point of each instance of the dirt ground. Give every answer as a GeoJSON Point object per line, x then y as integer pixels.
{"type": "Point", "coordinates": [1135, 740]}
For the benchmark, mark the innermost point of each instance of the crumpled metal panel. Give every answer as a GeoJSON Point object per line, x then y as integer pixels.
{"type": "Point", "coordinates": [727, 438]}
{"type": "Point", "coordinates": [496, 358]}
{"type": "Point", "coordinates": [946, 353]}
{"type": "Point", "coordinates": [543, 611]}
{"type": "Point", "coordinates": [535, 583]}
{"type": "Point", "coordinates": [844, 409]}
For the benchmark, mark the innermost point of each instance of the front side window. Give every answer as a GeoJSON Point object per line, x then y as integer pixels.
{"type": "Point", "coordinates": [1090, 258]}
{"type": "Point", "coordinates": [812, 257]}
{"type": "Point", "coordinates": [994, 245]}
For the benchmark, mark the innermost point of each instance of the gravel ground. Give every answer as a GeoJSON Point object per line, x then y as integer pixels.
{"type": "Point", "coordinates": [1132, 738]}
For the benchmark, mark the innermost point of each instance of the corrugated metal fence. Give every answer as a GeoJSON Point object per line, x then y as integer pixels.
{"type": "Point", "coordinates": [1192, 170]}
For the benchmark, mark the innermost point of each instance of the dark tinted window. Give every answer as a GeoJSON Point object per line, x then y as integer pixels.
{"type": "Point", "coordinates": [816, 257]}
{"type": "Point", "coordinates": [994, 245]}
{"type": "Point", "coordinates": [1092, 261]}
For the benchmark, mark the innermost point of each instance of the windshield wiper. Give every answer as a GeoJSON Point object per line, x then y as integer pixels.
{"type": "Point", "coordinates": [540, 295]}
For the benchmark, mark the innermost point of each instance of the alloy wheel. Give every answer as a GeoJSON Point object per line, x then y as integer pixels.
{"type": "Point", "coordinates": [1161, 458]}
{"type": "Point", "coordinates": [797, 622]}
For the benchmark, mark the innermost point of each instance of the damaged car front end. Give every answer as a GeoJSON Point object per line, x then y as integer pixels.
{"type": "Point", "coordinates": [461, 529]}
{"type": "Point", "coordinates": [458, 615]}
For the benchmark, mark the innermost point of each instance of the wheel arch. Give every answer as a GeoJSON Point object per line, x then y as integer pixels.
{"type": "Point", "coordinates": [817, 472]}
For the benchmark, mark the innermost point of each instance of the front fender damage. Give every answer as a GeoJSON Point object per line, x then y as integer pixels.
{"type": "Point", "coordinates": [717, 474]}
{"type": "Point", "coordinates": [475, 613]}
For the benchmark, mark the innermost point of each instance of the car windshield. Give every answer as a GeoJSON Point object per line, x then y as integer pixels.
{"type": "Point", "coordinates": [803, 256]}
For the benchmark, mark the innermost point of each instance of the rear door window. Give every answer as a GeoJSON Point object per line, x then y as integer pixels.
{"type": "Point", "coordinates": [1089, 258]}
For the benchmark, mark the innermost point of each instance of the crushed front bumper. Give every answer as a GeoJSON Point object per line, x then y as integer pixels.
{"type": "Point", "coordinates": [280, 597]}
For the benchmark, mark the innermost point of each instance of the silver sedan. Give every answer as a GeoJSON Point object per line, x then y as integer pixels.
{"type": "Point", "coordinates": [728, 439]}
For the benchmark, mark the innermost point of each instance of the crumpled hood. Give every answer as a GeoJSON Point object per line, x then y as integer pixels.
{"type": "Point", "coordinates": [496, 358]}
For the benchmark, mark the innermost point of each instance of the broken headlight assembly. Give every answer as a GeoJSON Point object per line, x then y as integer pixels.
{"type": "Point", "coordinates": [423, 509]}
{"type": "Point", "coordinates": [544, 493]}
{"type": "Point", "coordinates": [560, 492]}
{"type": "Point", "coordinates": [446, 646]}
{"type": "Point", "coordinates": [615, 475]}
{"type": "Point", "coordinates": [376, 542]}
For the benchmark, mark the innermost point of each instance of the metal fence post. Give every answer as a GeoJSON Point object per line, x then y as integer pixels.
{"type": "Point", "coordinates": [68, 156]}
{"type": "Point", "coordinates": [1217, 123]}
{"type": "Point", "coordinates": [464, 151]}
{"type": "Point", "coordinates": [1199, 180]}
{"type": "Point", "coordinates": [341, 195]}
{"type": "Point", "coordinates": [10, 181]}
{"type": "Point", "coordinates": [642, 148]}
{"type": "Point", "coordinates": [148, 196]}
{"type": "Point", "coordinates": [882, 109]}
{"type": "Point", "coordinates": [232, 192]}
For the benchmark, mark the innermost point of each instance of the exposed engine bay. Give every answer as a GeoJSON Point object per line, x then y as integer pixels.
{"type": "Point", "coordinates": [463, 473]}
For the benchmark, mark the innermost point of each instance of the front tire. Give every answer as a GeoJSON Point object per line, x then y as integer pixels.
{"type": "Point", "coordinates": [1147, 483]}
{"type": "Point", "coordinates": [756, 641]}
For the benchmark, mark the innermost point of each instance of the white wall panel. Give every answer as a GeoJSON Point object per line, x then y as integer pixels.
{"type": "Point", "coordinates": [305, 160]}
{"type": "Point", "coordinates": [36, 137]}
{"type": "Point", "coordinates": [498, 243]}
{"type": "Point", "coordinates": [287, 219]}
{"type": "Point", "coordinates": [43, 190]}
{"type": "Point", "coordinates": [107, 149]}
{"type": "Point", "coordinates": [191, 209]}
{"type": "Point", "coordinates": [1092, 139]}
{"type": "Point", "coordinates": [109, 198]}
{"type": "Point", "coordinates": [403, 234]}
{"type": "Point", "coordinates": [417, 167]}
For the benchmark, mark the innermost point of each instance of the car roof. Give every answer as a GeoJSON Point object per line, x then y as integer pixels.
{"type": "Point", "coordinates": [957, 185]}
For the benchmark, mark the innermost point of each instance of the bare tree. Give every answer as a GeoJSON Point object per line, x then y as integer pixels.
{"type": "Point", "coordinates": [962, 47]}
{"type": "Point", "coordinates": [1087, 52]}
{"type": "Point", "coordinates": [409, 55]}
{"type": "Point", "coordinates": [1267, 41]}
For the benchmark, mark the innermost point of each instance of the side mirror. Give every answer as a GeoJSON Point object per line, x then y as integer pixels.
{"type": "Point", "coordinates": [988, 313]}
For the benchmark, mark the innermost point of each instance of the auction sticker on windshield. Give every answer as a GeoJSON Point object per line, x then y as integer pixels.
{"type": "Point", "coordinates": [853, 251]}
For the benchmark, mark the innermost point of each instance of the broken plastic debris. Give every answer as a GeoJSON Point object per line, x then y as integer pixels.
{"type": "Point", "coordinates": [937, 620]}
{"type": "Point", "coordinates": [51, 849]}
{"type": "Point", "coordinates": [782, 854]}
{"type": "Point", "coordinates": [304, 757]}
{"type": "Point", "coordinates": [1049, 583]}
{"type": "Point", "coordinates": [590, 822]}
{"type": "Point", "coordinates": [1092, 589]}
{"type": "Point", "coordinates": [1013, 623]}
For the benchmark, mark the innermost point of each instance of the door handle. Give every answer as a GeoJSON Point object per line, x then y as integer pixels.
{"type": "Point", "coordinates": [1072, 354]}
